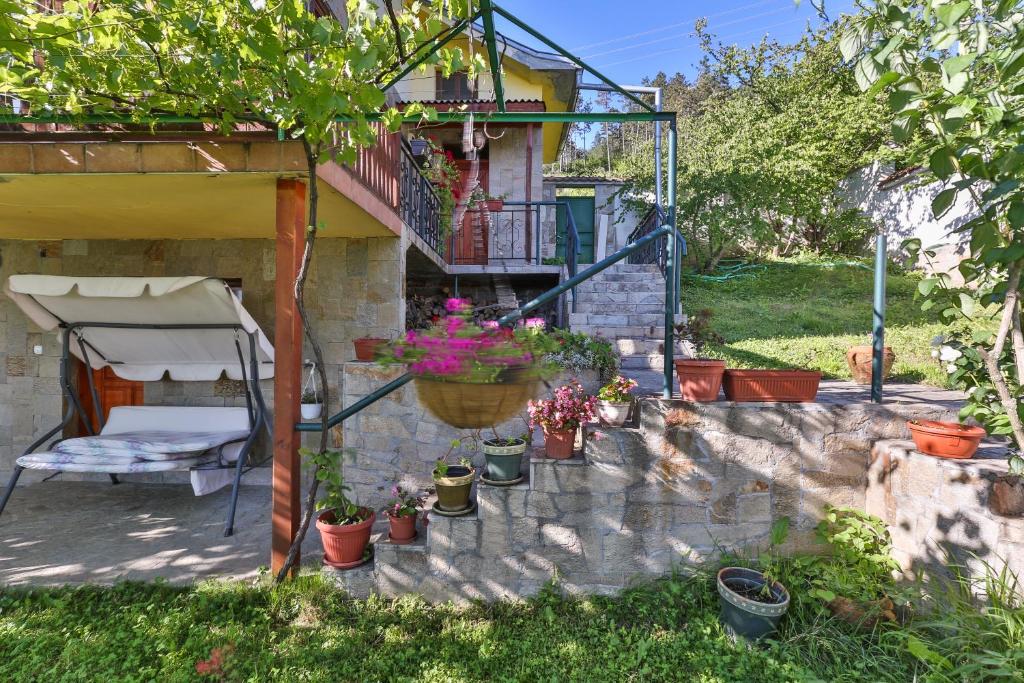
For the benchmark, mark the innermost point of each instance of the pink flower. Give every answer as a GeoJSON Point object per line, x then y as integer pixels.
{"type": "Point", "coordinates": [454, 305]}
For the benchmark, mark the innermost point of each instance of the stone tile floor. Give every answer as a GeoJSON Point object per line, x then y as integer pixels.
{"type": "Point", "coordinates": [831, 392]}
{"type": "Point", "coordinates": [58, 532]}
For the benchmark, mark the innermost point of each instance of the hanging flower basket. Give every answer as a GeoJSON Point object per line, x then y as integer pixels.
{"type": "Point", "coordinates": [467, 405]}
{"type": "Point", "coordinates": [470, 376]}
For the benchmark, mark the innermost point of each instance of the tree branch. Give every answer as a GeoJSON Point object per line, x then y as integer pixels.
{"type": "Point", "coordinates": [398, 30]}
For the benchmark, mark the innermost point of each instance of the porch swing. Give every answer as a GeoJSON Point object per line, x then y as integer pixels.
{"type": "Point", "coordinates": [143, 329]}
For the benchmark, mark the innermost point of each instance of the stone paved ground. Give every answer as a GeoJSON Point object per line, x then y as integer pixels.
{"type": "Point", "coordinates": [76, 532]}
{"type": "Point", "coordinates": [830, 392]}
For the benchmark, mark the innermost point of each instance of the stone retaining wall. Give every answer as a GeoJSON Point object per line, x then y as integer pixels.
{"type": "Point", "coordinates": [688, 482]}
{"type": "Point", "coordinates": [937, 509]}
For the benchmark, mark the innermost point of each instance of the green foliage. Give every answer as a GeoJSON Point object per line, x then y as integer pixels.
{"type": "Point", "coordinates": [307, 630]}
{"type": "Point", "coordinates": [576, 352]}
{"type": "Point", "coordinates": [861, 565]}
{"type": "Point", "coordinates": [806, 313]}
{"type": "Point", "coordinates": [953, 75]}
{"type": "Point", "coordinates": [327, 469]}
{"type": "Point", "coordinates": [697, 330]}
{"type": "Point", "coordinates": [764, 137]}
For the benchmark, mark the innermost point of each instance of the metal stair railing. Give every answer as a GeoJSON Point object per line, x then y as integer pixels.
{"type": "Point", "coordinates": [665, 231]}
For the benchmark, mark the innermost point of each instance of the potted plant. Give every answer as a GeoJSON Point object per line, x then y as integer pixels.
{"type": "Point", "coordinates": [402, 512]}
{"type": "Point", "coordinates": [752, 602]}
{"type": "Point", "coordinates": [561, 416]}
{"type": "Point", "coordinates": [779, 386]}
{"type": "Point", "coordinates": [700, 379]}
{"type": "Point", "coordinates": [504, 456]}
{"type": "Point", "coordinates": [469, 376]}
{"type": "Point", "coordinates": [614, 401]}
{"type": "Point", "coordinates": [486, 202]}
{"type": "Point", "coordinates": [453, 483]}
{"type": "Point", "coordinates": [310, 405]}
{"type": "Point", "coordinates": [367, 348]}
{"type": "Point", "coordinates": [859, 360]}
{"type": "Point", "coordinates": [945, 439]}
{"type": "Point", "coordinates": [419, 146]}
{"type": "Point", "coordinates": [344, 526]}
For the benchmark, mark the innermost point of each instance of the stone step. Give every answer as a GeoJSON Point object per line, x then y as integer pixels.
{"type": "Point", "coordinates": [610, 307]}
{"type": "Point", "coordinates": [590, 298]}
{"type": "Point", "coordinates": [653, 361]}
{"type": "Point", "coordinates": [629, 346]}
{"type": "Point", "coordinates": [614, 276]}
{"type": "Point", "coordinates": [590, 287]}
{"type": "Point", "coordinates": [617, 319]}
{"type": "Point", "coordinates": [614, 332]}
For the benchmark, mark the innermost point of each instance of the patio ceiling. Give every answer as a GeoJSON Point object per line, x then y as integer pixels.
{"type": "Point", "coordinates": [162, 206]}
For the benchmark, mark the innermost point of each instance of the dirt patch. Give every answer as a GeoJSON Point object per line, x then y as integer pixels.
{"type": "Point", "coordinates": [682, 417]}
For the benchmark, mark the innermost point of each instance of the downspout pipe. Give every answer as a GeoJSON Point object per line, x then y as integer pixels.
{"type": "Point", "coordinates": [878, 319]}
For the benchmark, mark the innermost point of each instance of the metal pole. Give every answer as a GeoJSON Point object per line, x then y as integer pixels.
{"type": "Point", "coordinates": [670, 265]}
{"type": "Point", "coordinates": [878, 319]}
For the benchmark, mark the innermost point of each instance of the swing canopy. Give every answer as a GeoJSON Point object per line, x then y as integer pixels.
{"type": "Point", "coordinates": [190, 328]}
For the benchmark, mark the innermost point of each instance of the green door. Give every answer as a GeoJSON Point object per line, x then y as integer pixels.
{"type": "Point", "coordinates": [583, 214]}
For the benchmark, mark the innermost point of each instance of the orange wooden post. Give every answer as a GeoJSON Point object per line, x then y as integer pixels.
{"type": "Point", "coordinates": [286, 508]}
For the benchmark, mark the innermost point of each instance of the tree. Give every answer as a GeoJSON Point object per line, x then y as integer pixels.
{"type": "Point", "coordinates": [953, 74]}
{"type": "Point", "coordinates": [765, 135]}
{"type": "Point", "coordinates": [269, 62]}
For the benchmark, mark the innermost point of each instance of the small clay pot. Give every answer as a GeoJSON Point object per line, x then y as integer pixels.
{"type": "Point", "coordinates": [367, 348]}
{"type": "Point", "coordinates": [559, 444]}
{"type": "Point", "coordinates": [1007, 496]}
{"type": "Point", "coordinates": [945, 439]}
{"type": "Point", "coordinates": [699, 379]}
{"type": "Point", "coordinates": [858, 358]}
{"type": "Point", "coordinates": [344, 544]}
{"type": "Point", "coordinates": [401, 528]}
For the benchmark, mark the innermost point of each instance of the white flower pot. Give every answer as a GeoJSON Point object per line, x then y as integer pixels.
{"type": "Point", "coordinates": [311, 411]}
{"type": "Point", "coordinates": [613, 414]}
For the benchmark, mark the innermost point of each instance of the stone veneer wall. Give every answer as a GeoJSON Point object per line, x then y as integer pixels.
{"type": "Point", "coordinates": [357, 288]}
{"type": "Point", "coordinates": [507, 178]}
{"type": "Point", "coordinates": [937, 509]}
{"type": "Point", "coordinates": [691, 481]}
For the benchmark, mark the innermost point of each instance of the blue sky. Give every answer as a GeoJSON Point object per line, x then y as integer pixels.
{"type": "Point", "coordinates": [630, 40]}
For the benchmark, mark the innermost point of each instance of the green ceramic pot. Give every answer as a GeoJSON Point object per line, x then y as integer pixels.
{"type": "Point", "coordinates": [504, 463]}
{"type": "Point", "coordinates": [746, 610]}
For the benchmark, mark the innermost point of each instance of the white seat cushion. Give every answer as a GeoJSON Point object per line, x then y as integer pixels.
{"type": "Point", "coordinates": [175, 419]}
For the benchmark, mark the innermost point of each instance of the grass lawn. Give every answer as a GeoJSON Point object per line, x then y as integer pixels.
{"type": "Point", "coordinates": [797, 313]}
{"type": "Point", "coordinates": [308, 631]}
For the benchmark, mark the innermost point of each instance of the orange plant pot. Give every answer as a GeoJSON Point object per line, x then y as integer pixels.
{"type": "Point", "coordinates": [366, 348]}
{"type": "Point", "coordinates": [945, 439]}
{"type": "Point", "coordinates": [778, 386]}
{"type": "Point", "coordinates": [858, 359]}
{"type": "Point", "coordinates": [559, 444]}
{"type": "Point", "coordinates": [402, 529]}
{"type": "Point", "coordinates": [699, 379]}
{"type": "Point", "coordinates": [345, 544]}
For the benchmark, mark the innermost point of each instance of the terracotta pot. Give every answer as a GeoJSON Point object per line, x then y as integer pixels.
{"type": "Point", "coordinates": [1007, 496]}
{"type": "Point", "coordinates": [559, 444]}
{"type": "Point", "coordinates": [945, 439]}
{"type": "Point", "coordinates": [699, 379]}
{"type": "Point", "coordinates": [366, 348]}
{"type": "Point", "coordinates": [858, 358]}
{"type": "Point", "coordinates": [613, 414]}
{"type": "Point", "coordinates": [345, 544]}
{"type": "Point", "coordinates": [401, 528]}
{"type": "Point", "coordinates": [780, 386]}
{"type": "Point", "coordinates": [454, 488]}
{"type": "Point", "coordinates": [494, 205]}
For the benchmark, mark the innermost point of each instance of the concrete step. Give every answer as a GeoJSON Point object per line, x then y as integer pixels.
{"type": "Point", "coordinates": [642, 361]}
{"type": "Point", "coordinates": [599, 287]}
{"type": "Point", "coordinates": [629, 346]}
{"type": "Point", "coordinates": [612, 308]}
{"type": "Point", "coordinates": [589, 298]}
{"type": "Point", "coordinates": [617, 319]}
{"type": "Point", "coordinates": [613, 332]}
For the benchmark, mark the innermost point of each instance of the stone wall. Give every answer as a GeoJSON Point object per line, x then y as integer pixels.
{"type": "Point", "coordinates": [396, 441]}
{"type": "Point", "coordinates": [356, 289]}
{"type": "Point", "coordinates": [508, 178]}
{"type": "Point", "coordinates": [689, 482]}
{"type": "Point", "coordinates": [937, 509]}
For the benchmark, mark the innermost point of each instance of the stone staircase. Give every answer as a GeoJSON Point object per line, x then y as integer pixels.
{"type": "Point", "coordinates": [625, 304]}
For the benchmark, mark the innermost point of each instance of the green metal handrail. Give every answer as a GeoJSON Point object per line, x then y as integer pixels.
{"type": "Point", "coordinates": [551, 294]}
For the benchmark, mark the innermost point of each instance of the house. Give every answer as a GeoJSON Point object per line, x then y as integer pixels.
{"type": "Point", "coordinates": [119, 200]}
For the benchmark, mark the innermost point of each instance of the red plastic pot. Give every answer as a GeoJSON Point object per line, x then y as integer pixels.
{"type": "Point", "coordinates": [699, 379]}
{"type": "Point", "coordinates": [366, 348]}
{"type": "Point", "coordinates": [778, 386]}
{"type": "Point", "coordinates": [945, 439]}
{"type": "Point", "coordinates": [401, 529]}
{"type": "Point", "coordinates": [559, 444]}
{"type": "Point", "coordinates": [345, 544]}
